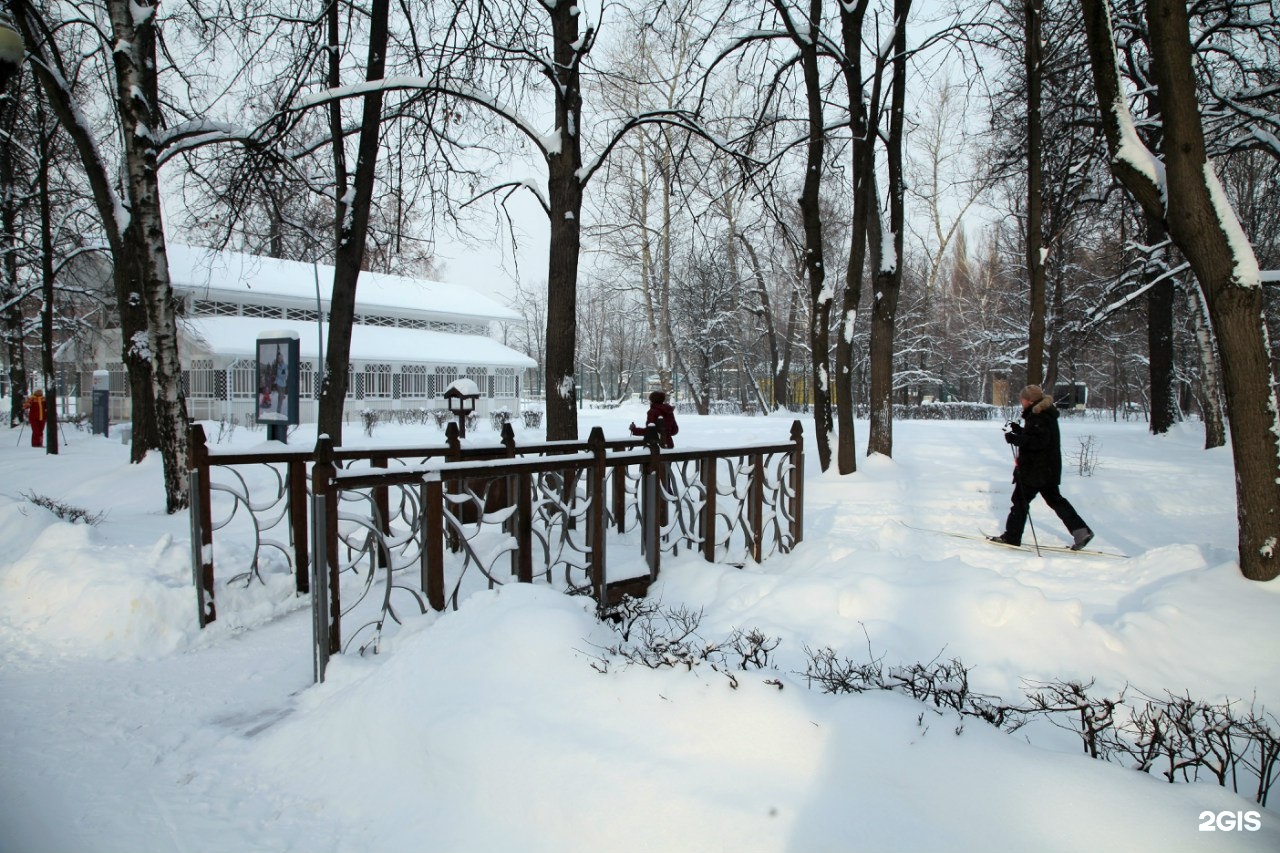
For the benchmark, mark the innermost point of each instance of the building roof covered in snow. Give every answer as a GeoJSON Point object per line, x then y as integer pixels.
{"type": "Point", "coordinates": [237, 336]}
{"type": "Point", "coordinates": [213, 275]}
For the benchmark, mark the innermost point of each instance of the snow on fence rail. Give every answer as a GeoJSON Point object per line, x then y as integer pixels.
{"type": "Point", "coordinates": [466, 517]}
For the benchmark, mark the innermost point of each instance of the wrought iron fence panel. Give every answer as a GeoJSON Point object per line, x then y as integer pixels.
{"type": "Point", "coordinates": [623, 484]}
{"type": "Point", "coordinates": [483, 538]}
{"type": "Point", "coordinates": [263, 508]}
{"type": "Point", "coordinates": [363, 536]}
{"type": "Point", "coordinates": [780, 502]}
{"type": "Point", "coordinates": [559, 510]}
{"type": "Point", "coordinates": [682, 495]}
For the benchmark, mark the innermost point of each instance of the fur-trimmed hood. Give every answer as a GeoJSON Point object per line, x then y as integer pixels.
{"type": "Point", "coordinates": [1045, 404]}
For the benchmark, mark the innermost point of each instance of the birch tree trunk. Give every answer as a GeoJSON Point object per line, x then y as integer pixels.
{"type": "Point", "coordinates": [114, 215]}
{"type": "Point", "coordinates": [138, 102]}
{"type": "Point", "coordinates": [10, 297]}
{"type": "Point", "coordinates": [1164, 403]}
{"type": "Point", "coordinates": [1210, 398]}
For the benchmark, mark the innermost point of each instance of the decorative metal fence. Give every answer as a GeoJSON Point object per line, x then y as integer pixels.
{"type": "Point", "coordinates": [418, 528]}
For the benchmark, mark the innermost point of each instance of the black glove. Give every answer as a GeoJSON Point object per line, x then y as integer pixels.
{"type": "Point", "coordinates": [1013, 427]}
{"type": "Point", "coordinates": [1012, 438]}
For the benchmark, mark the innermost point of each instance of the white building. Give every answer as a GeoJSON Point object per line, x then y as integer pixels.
{"type": "Point", "coordinates": [411, 338]}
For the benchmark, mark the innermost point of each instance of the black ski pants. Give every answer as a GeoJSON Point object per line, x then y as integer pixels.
{"type": "Point", "coordinates": [1021, 505]}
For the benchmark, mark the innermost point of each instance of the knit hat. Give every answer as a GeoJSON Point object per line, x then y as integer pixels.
{"type": "Point", "coordinates": [1032, 394]}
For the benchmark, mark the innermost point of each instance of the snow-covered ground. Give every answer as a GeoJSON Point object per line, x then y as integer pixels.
{"type": "Point", "coordinates": [123, 727]}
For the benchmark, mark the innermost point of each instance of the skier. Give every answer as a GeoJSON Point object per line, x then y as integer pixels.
{"type": "Point", "coordinates": [1038, 469]}
{"type": "Point", "coordinates": [662, 416]}
{"type": "Point", "coordinates": [34, 407]}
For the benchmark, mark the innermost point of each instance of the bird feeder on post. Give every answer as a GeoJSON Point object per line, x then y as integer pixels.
{"type": "Point", "coordinates": [461, 398]}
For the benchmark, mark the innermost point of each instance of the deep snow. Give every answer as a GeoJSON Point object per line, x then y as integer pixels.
{"type": "Point", "coordinates": [488, 729]}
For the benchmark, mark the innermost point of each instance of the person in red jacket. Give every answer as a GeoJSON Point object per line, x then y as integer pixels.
{"type": "Point", "coordinates": [34, 406]}
{"type": "Point", "coordinates": [662, 416]}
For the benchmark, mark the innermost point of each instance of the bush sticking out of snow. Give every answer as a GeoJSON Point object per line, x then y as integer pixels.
{"type": "Point", "coordinates": [65, 511]}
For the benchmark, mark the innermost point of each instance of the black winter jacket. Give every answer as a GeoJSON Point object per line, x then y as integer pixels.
{"type": "Point", "coordinates": [1039, 446]}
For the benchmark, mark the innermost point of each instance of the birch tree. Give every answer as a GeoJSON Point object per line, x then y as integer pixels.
{"type": "Point", "coordinates": [131, 217]}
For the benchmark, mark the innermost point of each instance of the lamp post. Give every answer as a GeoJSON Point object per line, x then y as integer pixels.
{"type": "Point", "coordinates": [12, 50]}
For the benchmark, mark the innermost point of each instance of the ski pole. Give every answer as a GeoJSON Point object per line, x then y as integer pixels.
{"type": "Point", "coordinates": [20, 429]}
{"type": "Point", "coordinates": [1030, 521]}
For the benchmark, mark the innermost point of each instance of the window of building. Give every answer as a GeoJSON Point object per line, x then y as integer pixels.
{"type": "Point", "coordinates": [480, 376]}
{"type": "Point", "coordinates": [201, 382]}
{"type": "Point", "coordinates": [307, 381]}
{"type": "Point", "coordinates": [377, 381]}
{"type": "Point", "coordinates": [504, 382]}
{"type": "Point", "coordinates": [446, 375]}
{"type": "Point", "coordinates": [413, 382]}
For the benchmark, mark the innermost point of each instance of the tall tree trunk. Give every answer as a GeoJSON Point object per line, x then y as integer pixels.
{"type": "Point", "coordinates": [353, 233]}
{"type": "Point", "coordinates": [564, 194]}
{"type": "Point", "coordinates": [134, 26]}
{"type": "Point", "coordinates": [789, 340]}
{"type": "Point", "coordinates": [1205, 228]}
{"type": "Point", "coordinates": [126, 276]}
{"type": "Point", "coordinates": [764, 313]}
{"type": "Point", "coordinates": [46, 278]}
{"type": "Point", "coordinates": [1210, 397]}
{"type": "Point", "coordinates": [884, 306]}
{"type": "Point", "coordinates": [15, 351]}
{"type": "Point", "coordinates": [1164, 402]}
{"type": "Point", "coordinates": [852, 18]}
{"type": "Point", "coordinates": [811, 213]}
{"type": "Point", "coordinates": [1033, 57]}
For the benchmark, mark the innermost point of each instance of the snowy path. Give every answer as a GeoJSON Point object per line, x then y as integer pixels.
{"type": "Point", "coordinates": [127, 729]}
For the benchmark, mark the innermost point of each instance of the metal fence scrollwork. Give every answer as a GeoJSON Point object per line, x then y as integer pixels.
{"type": "Point", "coordinates": [590, 518]}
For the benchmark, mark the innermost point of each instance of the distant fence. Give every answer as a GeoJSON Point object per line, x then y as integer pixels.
{"type": "Point", "coordinates": [470, 517]}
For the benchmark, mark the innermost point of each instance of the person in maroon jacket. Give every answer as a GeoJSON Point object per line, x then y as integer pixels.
{"type": "Point", "coordinates": [36, 416]}
{"type": "Point", "coordinates": [662, 416]}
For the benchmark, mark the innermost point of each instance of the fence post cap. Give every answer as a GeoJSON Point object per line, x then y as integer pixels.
{"type": "Point", "coordinates": [197, 445]}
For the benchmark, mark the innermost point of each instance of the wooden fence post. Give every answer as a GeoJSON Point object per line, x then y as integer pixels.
{"type": "Point", "coordinates": [596, 519]}
{"type": "Point", "coordinates": [433, 540]}
{"type": "Point", "coordinates": [296, 473]}
{"type": "Point", "coordinates": [797, 483]}
{"type": "Point", "coordinates": [755, 506]}
{"type": "Point", "coordinates": [618, 477]}
{"type": "Point", "coordinates": [201, 497]}
{"type": "Point", "coordinates": [509, 485]}
{"type": "Point", "coordinates": [708, 469]}
{"type": "Point", "coordinates": [325, 500]}
{"type": "Point", "coordinates": [524, 527]}
{"type": "Point", "coordinates": [652, 504]}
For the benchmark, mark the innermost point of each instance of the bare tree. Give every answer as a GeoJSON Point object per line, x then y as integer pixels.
{"type": "Point", "coordinates": [132, 218]}
{"type": "Point", "coordinates": [1182, 190]}
{"type": "Point", "coordinates": [887, 253]}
